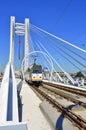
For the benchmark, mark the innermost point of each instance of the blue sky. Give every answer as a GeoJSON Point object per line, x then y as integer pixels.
{"type": "Point", "coordinates": [63, 18]}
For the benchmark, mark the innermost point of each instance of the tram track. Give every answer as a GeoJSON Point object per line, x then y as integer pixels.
{"type": "Point", "coordinates": [78, 120]}
{"type": "Point", "coordinates": [67, 89]}
{"type": "Point", "coordinates": [66, 96]}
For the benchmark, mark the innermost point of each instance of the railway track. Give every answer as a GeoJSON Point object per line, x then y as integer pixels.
{"type": "Point", "coordinates": [66, 96]}
{"type": "Point", "coordinates": [78, 120]}
{"type": "Point", "coordinates": [69, 89]}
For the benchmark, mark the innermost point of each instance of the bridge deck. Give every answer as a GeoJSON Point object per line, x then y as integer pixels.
{"type": "Point", "coordinates": [33, 116]}
{"type": "Point", "coordinates": [31, 112]}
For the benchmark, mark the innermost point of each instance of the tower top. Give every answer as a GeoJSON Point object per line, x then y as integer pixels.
{"type": "Point", "coordinates": [19, 29]}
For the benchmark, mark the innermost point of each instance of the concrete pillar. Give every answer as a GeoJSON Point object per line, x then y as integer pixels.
{"type": "Point", "coordinates": [26, 45]}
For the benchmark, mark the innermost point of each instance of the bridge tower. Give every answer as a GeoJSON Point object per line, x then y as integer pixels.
{"type": "Point", "coordinates": [9, 114]}
{"type": "Point", "coordinates": [21, 30]}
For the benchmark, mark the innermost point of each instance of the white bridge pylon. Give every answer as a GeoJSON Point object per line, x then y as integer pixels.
{"type": "Point", "coordinates": [9, 116]}
{"type": "Point", "coordinates": [21, 30]}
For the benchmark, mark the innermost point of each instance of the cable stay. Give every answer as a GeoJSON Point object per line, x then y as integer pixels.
{"type": "Point", "coordinates": [58, 38]}
{"type": "Point", "coordinates": [49, 42]}
{"type": "Point", "coordinates": [55, 70]}
{"type": "Point", "coordinates": [60, 44]}
{"type": "Point", "coordinates": [66, 47]}
{"type": "Point", "coordinates": [69, 77]}
{"type": "Point", "coordinates": [57, 49]}
{"type": "Point", "coordinates": [73, 52]}
{"type": "Point", "coordinates": [78, 61]}
{"type": "Point", "coordinates": [31, 43]}
{"type": "Point", "coordinates": [69, 60]}
{"type": "Point", "coordinates": [73, 58]}
{"type": "Point", "coordinates": [41, 50]}
{"type": "Point", "coordinates": [47, 61]}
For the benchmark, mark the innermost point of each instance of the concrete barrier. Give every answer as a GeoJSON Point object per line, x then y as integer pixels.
{"type": "Point", "coordinates": [13, 126]}
{"type": "Point", "coordinates": [49, 113]}
{"type": "Point", "coordinates": [9, 117]}
{"type": "Point", "coordinates": [4, 95]}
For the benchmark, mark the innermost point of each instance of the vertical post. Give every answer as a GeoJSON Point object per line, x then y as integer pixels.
{"type": "Point", "coordinates": [26, 46]}
{"type": "Point", "coordinates": [12, 27]}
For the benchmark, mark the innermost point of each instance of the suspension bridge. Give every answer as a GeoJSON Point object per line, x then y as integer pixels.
{"type": "Point", "coordinates": [59, 58]}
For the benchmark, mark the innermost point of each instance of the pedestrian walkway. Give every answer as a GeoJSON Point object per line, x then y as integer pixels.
{"type": "Point", "coordinates": [31, 112]}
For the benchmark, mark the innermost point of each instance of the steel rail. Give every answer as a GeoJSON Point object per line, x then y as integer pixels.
{"type": "Point", "coordinates": [80, 122]}
{"type": "Point", "coordinates": [72, 90]}
{"type": "Point", "coordinates": [66, 96]}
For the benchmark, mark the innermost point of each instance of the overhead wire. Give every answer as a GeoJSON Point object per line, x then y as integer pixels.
{"type": "Point", "coordinates": [62, 14]}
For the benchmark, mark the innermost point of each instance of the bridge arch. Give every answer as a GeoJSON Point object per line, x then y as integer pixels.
{"type": "Point", "coordinates": [41, 52]}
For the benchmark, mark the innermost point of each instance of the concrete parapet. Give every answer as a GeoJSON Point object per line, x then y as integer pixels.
{"type": "Point", "coordinates": [13, 126]}
{"type": "Point", "coordinates": [9, 117]}
{"type": "Point", "coordinates": [50, 114]}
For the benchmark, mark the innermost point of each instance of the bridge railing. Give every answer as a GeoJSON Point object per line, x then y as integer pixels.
{"type": "Point", "coordinates": [4, 95]}
{"type": "Point", "coordinates": [9, 102]}
{"type": "Point", "coordinates": [15, 100]}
